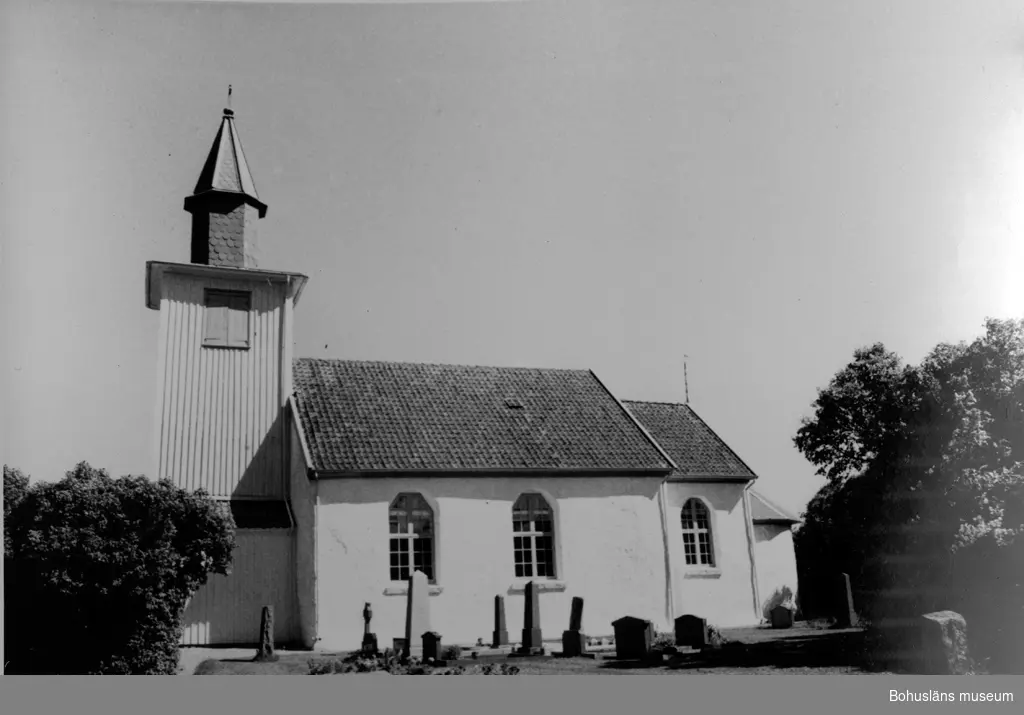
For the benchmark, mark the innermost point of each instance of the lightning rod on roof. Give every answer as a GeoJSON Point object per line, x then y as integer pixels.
{"type": "Point", "coordinates": [686, 381]}
{"type": "Point", "coordinates": [229, 96]}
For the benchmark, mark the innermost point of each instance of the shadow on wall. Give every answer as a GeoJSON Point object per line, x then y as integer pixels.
{"type": "Point", "coordinates": [265, 475]}
{"type": "Point", "coordinates": [227, 610]}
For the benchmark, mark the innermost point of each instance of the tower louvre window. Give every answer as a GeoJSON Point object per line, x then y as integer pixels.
{"type": "Point", "coordinates": [227, 319]}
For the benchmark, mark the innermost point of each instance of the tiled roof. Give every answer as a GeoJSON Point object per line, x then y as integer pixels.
{"type": "Point", "coordinates": [225, 168]}
{"type": "Point", "coordinates": [692, 445]}
{"type": "Point", "coordinates": [363, 416]}
{"type": "Point", "coordinates": [763, 511]}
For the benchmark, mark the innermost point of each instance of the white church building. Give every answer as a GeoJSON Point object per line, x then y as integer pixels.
{"type": "Point", "coordinates": [344, 476]}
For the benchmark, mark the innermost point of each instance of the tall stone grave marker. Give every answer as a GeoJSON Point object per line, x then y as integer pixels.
{"type": "Point", "coordinates": [532, 641]}
{"type": "Point", "coordinates": [500, 636]}
{"type": "Point", "coordinates": [845, 615]}
{"type": "Point", "coordinates": [417, 614]}
{"type": "Point", "coordinates": [574, 643]}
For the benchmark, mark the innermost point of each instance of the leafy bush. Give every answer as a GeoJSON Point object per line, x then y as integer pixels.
{"type": "Point", "coordinates": [663, 640]}
{"type": "Point", "coordinates": [715, 637]}
{"type": "Point", "coordinates": [780, 596]}
{"type": "Point", "coordinates": [451, 652]}
{"type": "Point", "coordinates": [102, 569]}
{"type": "Point", "coordinates": [358, 663]}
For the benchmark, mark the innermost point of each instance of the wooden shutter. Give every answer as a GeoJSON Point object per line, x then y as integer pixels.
{"type": "Point", "coordinates": [227, 319]}
{"type": "Point", "coordinates": [238, 321]}
{"type": "Point", "coordinates": [216, 328]}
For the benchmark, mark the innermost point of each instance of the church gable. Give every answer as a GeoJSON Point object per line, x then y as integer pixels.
{"type": "Point", "coordinates": [379, 416]}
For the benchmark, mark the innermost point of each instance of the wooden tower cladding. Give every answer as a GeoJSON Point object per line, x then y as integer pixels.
{"type": "Point", "coordinates": [225, 341]}
{"type": "Point", "coordinates": [223, 382]}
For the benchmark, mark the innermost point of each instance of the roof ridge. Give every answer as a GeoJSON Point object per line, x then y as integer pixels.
{"type": "Point", "coordinates": [660, 402]}
{"type": "Point", "coordinates": [439, 364]}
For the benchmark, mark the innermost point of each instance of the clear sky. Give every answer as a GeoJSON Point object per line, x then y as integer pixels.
{"type": "Point", "coordinates": [763, 186]}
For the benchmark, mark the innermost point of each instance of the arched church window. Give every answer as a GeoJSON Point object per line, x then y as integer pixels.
{"type": "Point", "coordinates": [697, 534]}
{"type": "Point", "coordinates": [411, 523]}
{"type": "Point", "coordinates": [533, 537]}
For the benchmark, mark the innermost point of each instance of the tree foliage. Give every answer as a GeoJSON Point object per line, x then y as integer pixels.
{"type": "Point", "coordinates": [15, 489]}
{"type": "Point", "coordinates": [924, 478]}
{"type": "Point", "coordinates": [100, 571]}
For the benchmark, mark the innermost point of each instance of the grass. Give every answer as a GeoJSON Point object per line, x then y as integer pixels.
{"type": "Point", "coordinates": [806, 648]}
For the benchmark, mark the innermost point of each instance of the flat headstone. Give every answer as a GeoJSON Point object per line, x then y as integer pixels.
{"type": "Point", "coordinates": [943, 643]}
{"type": "Point", "coordinates": [782, 616]}
{"type": "Point", "coordinates": [431, 645]}
{"type": "Point", "coordinates": [845, 615]}
{"type": "Point", "coordinates": [633, 638]}
{"type": "Point", "coordinates": [691, 631]}
{"type": "Point", "coordinates": [417, 614]}
{"type": "Point", "coordinates": [576, 614]}
{"type": "Point", "coordinates": [532, 640]}
{"type": "Point", "coordinates": [500, 635]}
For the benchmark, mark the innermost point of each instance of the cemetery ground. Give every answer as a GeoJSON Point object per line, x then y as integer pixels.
{"type": "Point", "coordinates": [807, 647]}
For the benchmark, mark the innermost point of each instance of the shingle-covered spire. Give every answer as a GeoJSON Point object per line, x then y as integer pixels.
{"type": "Point", "coordinates": [225, 205]}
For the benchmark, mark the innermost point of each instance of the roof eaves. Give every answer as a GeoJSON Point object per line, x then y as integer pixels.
{"type": "Point", "coordinates": [490, 472]}
{"type": "Point", "coordinates": [775, 522]}
{"type": "Point", "coordinates": [680, 476]}
{"type": "Point", "coordinates": [301, 429]}
{"type": "Point", "coordinates": [784, 513]}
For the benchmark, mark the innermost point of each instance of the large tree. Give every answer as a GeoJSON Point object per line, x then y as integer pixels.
{"type": "Point", "coordinates": [924, 503]}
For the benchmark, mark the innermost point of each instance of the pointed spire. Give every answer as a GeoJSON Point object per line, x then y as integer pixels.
{"type": "Point", "coordinates": [224, 204]}
{"type": "Point", "coordinates": [226, 168]}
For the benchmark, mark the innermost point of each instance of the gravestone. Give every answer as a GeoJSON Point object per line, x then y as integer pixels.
{"type": "Point", "coordinates": [633, 638]}
{"type": "Point", "coordinates": [500, 636]}
{"type": "Point", "coordinates": [845, 615]}
{"type": "Point", "coordinates": [782, 616]}
{"type": "Point", "coordinates": [576, 614]}
{"type": "Point", "coordinates": [369, 646]}
{"type": "Point", "coordinates": [943, 644]}
{"type": "Point", "coordinates": [691, 631]}
{"type": "Point", "coordinates": [574, 643]}
{"type": "Point", "coordinates": [532, 642]}
{"type": "Point", "coordinates": [266, 653]}
{"type": "Point", "coordinates": [431, 645]}
{"type": "Point", "coordinates": [417, 614]}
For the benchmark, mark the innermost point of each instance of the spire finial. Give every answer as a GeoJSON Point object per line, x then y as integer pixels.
{"type": "Point", "coordinates": [686, 381]}
{"type": "Point", "coordinates": [227, 110]}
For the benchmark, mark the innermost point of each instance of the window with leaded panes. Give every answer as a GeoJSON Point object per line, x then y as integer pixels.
{"type": "Point", "coordinates": [697, 534]}
{"type": "Point", "coordinates": [533, 537]}
{"type": "Point", "coordinates": [411, 526]}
